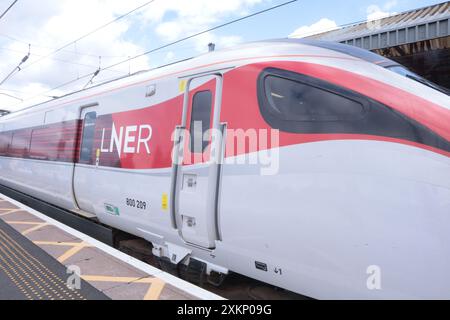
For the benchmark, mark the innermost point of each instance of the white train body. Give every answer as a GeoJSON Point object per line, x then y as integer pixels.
{"type": "Point", "coordinates": [344, 198]}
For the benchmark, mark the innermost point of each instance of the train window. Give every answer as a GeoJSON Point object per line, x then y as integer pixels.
{"type": "Point", "coordinates": [20, 144]}
{"type": "Point", "coordinates": [40, 145]}
{"type": "Point", "coordinates": [200, 120]}
{"type": "Point", "coordinates": [87, 142]}
{"type": "Point", "coordinates": [298, 103]}
{"type": "Point", "coordinates": [5, 141]}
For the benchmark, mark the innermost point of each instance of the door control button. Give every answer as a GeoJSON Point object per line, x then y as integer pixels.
{"type": "Point", "coordinates": [189, 182]}
{"type": "Point", "coordinates": [189, 221]}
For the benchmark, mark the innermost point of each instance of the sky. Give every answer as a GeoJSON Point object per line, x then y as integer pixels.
{"type": "Point", "coordinates": [47, 25]}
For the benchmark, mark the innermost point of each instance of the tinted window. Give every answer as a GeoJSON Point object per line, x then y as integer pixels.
{"type": "Point", "coordinates": [20, 143]}
{"type": "Point", "coordinates": [411, 75]}
{"type": "Point", "coordinates": [353, 51]}
{"type": "Point", "coordinates": [87, 143]}
{"type": "Point", "coordinates": [200, 120]}
{"type": "Point", "coordinates": [40, 145]}
{"type": "Point", "coordinates": [5, 141]}
{"type": "Point", "coordinates": [291, 100]}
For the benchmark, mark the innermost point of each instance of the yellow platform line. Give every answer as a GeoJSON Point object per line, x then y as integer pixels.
{"type": "Point", "coordinates": [73, 251]}
{"type": "Point", "coordinates": [156, 285]}
{"type": "Point", "coordinates": [153, 293]}
{"type": "Point", "coordinates": [25, 222]}
{"type": "Point", "coordinates": [37, 269]}
{"type": "Point", "coordinates": [10, 211]}
{"type": "Point", "coordinates": [60, 244]}
{"type": "Point", "coordinates": [37, 225]}
{"type": "Point", "coordinates": [155, 290]}
{"type": "Point", "coordinates": [76, 247]}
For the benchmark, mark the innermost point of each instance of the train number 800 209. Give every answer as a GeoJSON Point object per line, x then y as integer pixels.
{"type": "Point", "coordinates": [142, 205]}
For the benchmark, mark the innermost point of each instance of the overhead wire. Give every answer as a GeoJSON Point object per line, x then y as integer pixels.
{"type": "Point", "coordinates": [9, 8]}
{"type": "Point", "coordinates": [90, 33]}
{"type": "Point", "coordinates": [18, 68]}
{"type": "Point", "coordinates": [60, 60]}
{"type": "Point", "coordinates": [75, 52]}
{"type": "Point", "coordinates": [169, 44]}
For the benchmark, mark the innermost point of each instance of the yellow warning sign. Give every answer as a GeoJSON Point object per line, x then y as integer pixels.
{"type": "Point", "coordinates": [183, 84]}
{"type": "Point", "coordinates": [165, 202]}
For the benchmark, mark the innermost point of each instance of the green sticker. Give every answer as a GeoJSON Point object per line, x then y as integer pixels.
{"type": "Point", "coordinates": [113, 210]}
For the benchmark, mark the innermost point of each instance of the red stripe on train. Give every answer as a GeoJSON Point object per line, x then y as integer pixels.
{"type": "Point", "coordinates": [240, 110]}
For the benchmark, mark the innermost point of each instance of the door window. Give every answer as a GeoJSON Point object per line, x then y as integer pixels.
{"type": "Point", "coordinates": [200, 120]}
{"type": "Point", "coordinates": [87, 143]}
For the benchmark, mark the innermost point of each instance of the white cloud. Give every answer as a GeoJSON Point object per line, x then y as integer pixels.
{"type": "Point", "coordinates": [221, 42]}
{"type": "Point", "coordinates": [322, 25]}
{"type": "Point", "coordinates": [9, 100]}
{"type": "Point", "coordinates": [49, 24]}
{"type": "Point", "coordinates": [197, 16]}
{"type": "Point", "coordinates": [390, 4]}
{"type": "Point", "coordinates": [6, 102]}
{"type": "Point", "coordinates": [375, 12]}
{"type": "Point", "coordinates": [170, 56]}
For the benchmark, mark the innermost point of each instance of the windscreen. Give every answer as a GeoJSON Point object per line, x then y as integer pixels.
{"type": "Point", "coordinates": [373, 58]}
{"type": "Point", "coordinates": [411, 75]}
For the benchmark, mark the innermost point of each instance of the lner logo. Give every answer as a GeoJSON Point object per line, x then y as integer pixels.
{"type": "Point", "coordinates": [129, 139]}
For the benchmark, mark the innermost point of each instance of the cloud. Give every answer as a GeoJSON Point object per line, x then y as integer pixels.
{"type": "Point", "coordinates": [221, 42]}
{"type": "Point", "coordinates": [170, 56]}
{"type": "Point", "coordinates": [322, 25]}
{"type": "Point", "coordinates": [374, 12]}
{"type": "Point", "coordinates": [7, 101]}
{"type": "Point", "coordinates": [199, 15]}
{"type": "Point", "coordinates": [390, 4]}
{"type": "Point", "coordinates": [49, 24]}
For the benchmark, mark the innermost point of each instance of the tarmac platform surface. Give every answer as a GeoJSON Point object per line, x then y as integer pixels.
{"type": "Point", "coordinates": [40, 259]}
{"type": "Point", "coordinates": [29, 273]}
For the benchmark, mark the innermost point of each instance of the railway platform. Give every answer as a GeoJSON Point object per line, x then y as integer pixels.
{"type": "Point", "coordinates": [42, 259]}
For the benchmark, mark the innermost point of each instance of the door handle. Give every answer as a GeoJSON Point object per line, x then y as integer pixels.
{"type": "Point", "coordinates": [177, 144]}
{"type": "Point", "coordinates": [178, 138]}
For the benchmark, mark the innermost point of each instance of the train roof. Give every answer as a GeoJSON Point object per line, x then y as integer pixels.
{"type": "Point", "coordinates": [240, 52]}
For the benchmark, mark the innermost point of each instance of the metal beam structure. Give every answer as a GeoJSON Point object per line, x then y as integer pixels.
{"type": "Point", "coordinates": [419, 39]}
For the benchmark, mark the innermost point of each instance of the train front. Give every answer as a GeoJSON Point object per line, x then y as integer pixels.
{"type": "Point", "coordinates": [359, 206]}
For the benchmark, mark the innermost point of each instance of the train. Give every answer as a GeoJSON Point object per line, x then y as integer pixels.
{"type": "Point", "coordinates": [315, 167]}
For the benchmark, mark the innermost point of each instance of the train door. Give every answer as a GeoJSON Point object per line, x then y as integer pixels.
{"type": "Point", "coordinates": [197, 158]}
{"type": "Point", "coordinates": [86, 158]}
